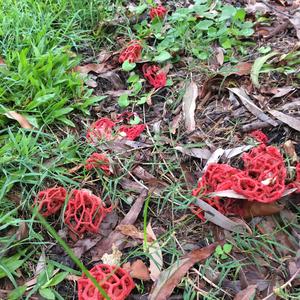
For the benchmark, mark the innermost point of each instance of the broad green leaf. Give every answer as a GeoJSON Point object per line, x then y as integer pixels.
{"type": "Point", "coordinates": [228, 11]}
{"type": "Point", "coordinates": [136, 120]}
{"type": "Point", "coordinates": [127, 66]}
{"type": "Point", "coordinates": [143, 100]}
{"type": "Point", "coordinates": [123, 100]}
{"type": "Point", "coordinates": [227, 248]}
{"type": "Point", "coordinates": [47, 293]}
{"type": "Point", "coordinates": [11, 264]}
{"type": "Point", "coordinates": [163, 56]}
{"type": "Point", "coordinates": [40, 100]}
{"type": "Point", "coordinates": [56, 279]}
{"type": "Point", "coordinates": [17, 293]}
{"type": "Point", "coordinates": [257, 66]}
{"type": "Point", "coordinates": [204, 25]}
{"type": "Point", "coordinates": [219, 250]}
{"type": "Point", "coordinates": [133, 78]}
{"type": "Point", "coordinates": [139, 9]}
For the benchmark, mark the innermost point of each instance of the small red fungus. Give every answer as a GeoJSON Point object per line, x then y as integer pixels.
{"type": "Point", "coordinates": [131, 53]}
{"type": "Point", "coordinates": [51, 200]}
{"type": "Point", "coordinates": [158, 12]}
{"type": "Point", "coordinates": [115, 281]}
{"type": "Point", "coordinates": [84, 212]}
{"type": "Point", "coordinates": [155, 76]}
{"type": "Point", "coordinates": [101, 129]}
{"type": "Point", "coordinates": [100, 161]}
{"type": "Point", "coordinates": [259, 136]}
{"type": "Point", "coordinates": [131, 132]}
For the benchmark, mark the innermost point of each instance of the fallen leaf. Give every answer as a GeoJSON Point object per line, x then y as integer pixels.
{"type": "Point", "coordinates": [290, 121]}
{"type": "Point", "coordinates": [255, 7]}
{"type": "Point", "coordinates": [116, 237]}
{"type": "Point", "coordinates": [22, 232]}
{"type": "Point", "coordinates": [91, 83]}
{"type": "Point", "coordinates": [248, 103]}
{"type": "Point", "coordinates": [214, 158]}
{"type": "Point", "coordinates": [230, 153]}
{"type": "Point", "coordinates": [19, 118]}
{"type": "Point", "coordinates": [241, 69]}
{"type": "Point", "coordinates": [295, 20]}
{"type": "Point", "coordinates": [137, 270]}
{"type": "Point", "coordinates": [220, 56]}
{"type": "Point", "coordinates": [189, 106]}
{"type": "Point", "coordinates": [227, 194]}
{"type": "Point", "coordinates": [246, 294]}
{"type": "Point", "coordinates": [290, 150]}
{"type": "Point", "coordinates": [75, 169]}
{"type": "Point", "coordinates": [2, 62]}
{"type": "Point", "coordinates": [170, 277]}
{"type": "Point", "coordinates": [258, 64]}
{"type": "Point", "coordinates": [280, 92]}
{"type": "Point", "coordinates": [217, 218]}
{"type": "Point", "coordinates": [202, 153]}
{"type": "Point", "coordinates": [96, 68]}
{"type": "Point", "coordinates": [175, 123]}
{"type": "Point", "coordinates": [132, 231]}
{"type": "Point", "coordinates": [257, 209]}
{"type": "Point", "coordinates": [114, 258]}
{"type": "Point", "coordinates": [155, 255]}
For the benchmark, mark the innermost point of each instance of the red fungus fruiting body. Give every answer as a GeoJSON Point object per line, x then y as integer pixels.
{"type": "Point", "coordinates": [131, 132]}
{"type": "Point", "coordinates": [101, 130]}
{"type": "Point", "coordinates": [115, 281]}
{"type": "Point", "coordinates": [259, 136]}
{"type": "Point", "coordinates": [84, 212]}
{"type": "Point", "coordinates": [131, 53]}
{"type": "Point", "coordinates": [262, 180]}
{"type": "Point", "coordinates": [98, 161]}
{"type": "Point", "coordinates": [158, 12]}
{"type": "Point", "coordinates": [51, 200]}
{"type": "Point", "coordinates": [155, 76]}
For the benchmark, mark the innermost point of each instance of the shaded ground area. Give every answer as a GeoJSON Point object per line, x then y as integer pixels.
{"type": "Point", "coordinates": [231, 68]}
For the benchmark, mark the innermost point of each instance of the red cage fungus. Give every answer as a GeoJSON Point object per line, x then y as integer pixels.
{"type": "Point", "coordinates": [101, 129]}
{"type": "Point", "coordinates": [131, 132]}
{"type": "Point", "coordinates": [84, 212]}
{"type": "Point", "coordinates": [262, 180]}
{"type": "Point", "coordinates": [98, 161]}
{"type": "Point", "coordinates": [259, 136]}
{"type": "Point", "coordinates": [132, 53]}
{"type": "Point", "coordinates": [155, 76]}
{"type": "Point", "coordinates": [158, 12]}
{"type": "Point", "coordinates": [51, 200]}
{"type": "Point", "coordinates": [115, 281]}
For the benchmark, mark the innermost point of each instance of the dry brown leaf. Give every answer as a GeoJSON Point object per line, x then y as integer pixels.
{"type": "Point", "coordinates": [2, 62]}
{"type": "Point", "coordinates": [19, 118]}
{"type": "Point", "coordinates": [295, 20]}
{"type": "Point", "coordinates": [214, 158]}
{"type": "Point", "coordinates": [75, 169]}
{"type": "Point", "coordinates": [116, 237]}
{"type": "Point", "coordinates": [229, 153]}
{"type": "Point", "coordinates": [202, 153]}
{"type": "Point", "coordinates": [97, 68]}
{"type": "Point", "coordinates": [241, 69]}
{"type": "Point", "coordinates": [246, 294]}
{"type": "Point", "coordinates": [227, 194]}
{"type": "Point", "coordinates": [214, 216]}
{"type": "Point", "coordinates": [132, 231]}
{"type": "Point", "coordinates": [220, 56]}
{"type": "Point", "coordinates": [257, 209]}
{"type": "Point", "coordinates": [248, 103]}
{"type": "Point", "coordinates": [189, 106]}
{"type": "Point", "coordinates": [22, 232]}
{"type": "Point", "coordinates": [170, 277]}
{"type": "Point", "coordinates": [290, 121]}
{"type": "Point", "coordinates": [280, 92]}
{"type": "Point", "coordinates": [175, 123]}
{"type": "Point", "coordinates": [137, 270]}
{"type": "Point", "coordinates": [155, 253]}
{"type": "Point", "coordinates": [290, 150]}
{"type": "Point", "coordinates": [91, 83]}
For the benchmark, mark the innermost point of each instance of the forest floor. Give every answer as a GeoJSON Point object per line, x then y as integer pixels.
{"type": "Point", "coordinates": [164, 140]}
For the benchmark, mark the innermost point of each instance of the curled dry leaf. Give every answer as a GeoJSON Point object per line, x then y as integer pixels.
{"type": "Point", "coordinates": [19, 118]}
{"type": "Point", "coordinates": [175, 123]}
{"type": "Point", "coordinates": [131, 231]}
{"type": "Point", "coordinates": [290, 121]}
{"type": "Point", "coordinates": [295, 20]}
{"type": "Point", "coordinates": [214, 158]}
{"type": "Point", "coordinates": [289, 149]}
{"type": "Point", "coordinates": [189, 105]}
{"type": "Point", "coordinates": [137, 270]}
{"type": "Point", "coordinates": [155, 254]}
{"type": "Point", "coordinates": [170, 277]}
{"type": "Point", "coordinates": [202, 153]}
{"type": "Point", "coordinates": [246, 294]}
{"type": "Point", "coordinates": [96, 68]}
{"type": "Point", "coordinates": [248, 103]}
{"type": "Point", "coordinates": [258, 209]}
{"type": "Point", "coordinates": [22, 232]}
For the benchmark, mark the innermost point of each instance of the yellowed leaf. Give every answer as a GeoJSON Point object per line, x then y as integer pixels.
{"type": "Point", "coordinates": [19, 118]}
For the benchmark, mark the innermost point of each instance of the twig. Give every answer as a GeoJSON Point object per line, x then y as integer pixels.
{"type": "Point", "coordinates": [275, 290]}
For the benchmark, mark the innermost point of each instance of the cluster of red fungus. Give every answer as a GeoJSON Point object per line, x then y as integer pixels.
{"type": "Point", "coordinates": [115, 281]}
{"type": "Point", "coordinates": [262, 179]}
{"type": "Point", "coordinates": [98, 161]}
{"type": "Point", "coordinates": [132, 53]}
